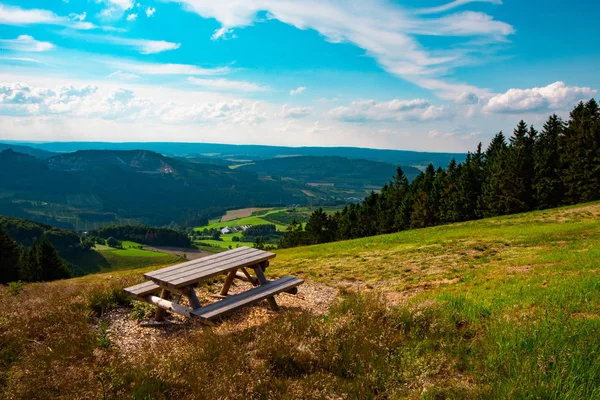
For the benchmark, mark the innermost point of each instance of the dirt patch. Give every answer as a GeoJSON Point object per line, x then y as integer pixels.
{"type": "Point", "coordinates": [131, 336]}
{"type": "Point", "coordinates": [585, 316]}
{"type": "Point", "coordinates": [241, 213]}
{"type": "Point", "coordinates": [520, 270]}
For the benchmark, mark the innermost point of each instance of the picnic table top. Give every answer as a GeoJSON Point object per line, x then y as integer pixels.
{"type": "Point", "coordinates": [194, 271]}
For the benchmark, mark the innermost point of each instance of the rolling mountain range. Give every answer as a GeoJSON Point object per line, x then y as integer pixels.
{"type": "Point", "coordinates": [84, 189]}
{"type": "Point", "coordinates": [139, 185]}
{"type": "Point", "coordinates": [256, 152]}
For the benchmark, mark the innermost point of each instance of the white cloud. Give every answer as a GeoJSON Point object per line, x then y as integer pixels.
{"type": "Point", "coordinates": [467, 23]}
{"type": "Point", "coordinates": [10, 15]}
{"type": "Point", "coordinates": [552, 97]}
{"type": "Point", "coordinates": [234, 112]}
{"type": "Point", "coordinates": [299, 90]}
{"type": "Point", "coordinates": [26, 43]}
{"type": "Point", "coordinates": [452, 5]}
{"type": "Point", "coordinates": [295, 112]}
{"type": "Point", "coordinates": [467, 98]}
{"type": "Point", "coordinates": [385, 30]}
{"type": "Point", "coordinates": [132, 17]}
{"type": "Point", "coordinates": [123, 75]}
{"type": "Point", "coordinates": [78, 17]}
{"type": "Point", "coordinates": [19, 99]}
{"type": "Point", "coordinates": [122, 4]}
{"type": "Point", "coordinates": [143, 46]}
{"type": "Point", "coordinates": [223, 33]}
{"type": "Point", "coordinates": [370, 110]}
{"type": "Point", "coordinates": [150, 11]}
{"type": "Point", "coordinates": [166, 69]}
{"type": "Point", "coordinates": [228, 85]}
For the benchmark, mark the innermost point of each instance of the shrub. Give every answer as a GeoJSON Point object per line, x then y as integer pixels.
{"type": "Point", "coordinates": [107, 299]}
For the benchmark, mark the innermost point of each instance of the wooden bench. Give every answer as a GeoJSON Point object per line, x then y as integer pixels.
{"type": "Point", "coordinates": [247, 298]}
{"type": "Point", "coordinates": [181, 280]}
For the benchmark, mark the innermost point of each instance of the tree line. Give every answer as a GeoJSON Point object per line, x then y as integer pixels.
{"type": "Point", "coordinates": [144, 234]}
{"type": "Point", "coordinates": [559, 165]}
{"type": "Point", "coordinates": [39, 262]}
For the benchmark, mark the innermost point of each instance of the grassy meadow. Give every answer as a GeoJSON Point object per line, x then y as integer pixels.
{"type": "Point", "coordinates": [107, 259]}
{"type": "Point", "coordinates": [503, 308]}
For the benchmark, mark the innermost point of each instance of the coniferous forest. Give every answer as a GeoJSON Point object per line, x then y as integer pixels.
{"type": "Point", "coordinates": [530, 170]}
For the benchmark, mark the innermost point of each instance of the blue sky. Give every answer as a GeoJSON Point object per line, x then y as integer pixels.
{"type": "Point", "coordinates": [438, 75]}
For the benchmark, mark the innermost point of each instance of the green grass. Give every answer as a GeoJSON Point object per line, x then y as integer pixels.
{"type": "Point", "coordinates": [504, 308]}
{"type": "Point", "coordinates": [253, 220]}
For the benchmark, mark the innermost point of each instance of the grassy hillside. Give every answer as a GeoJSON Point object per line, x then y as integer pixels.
{"type": "Point", "coordinates": [504, 308]}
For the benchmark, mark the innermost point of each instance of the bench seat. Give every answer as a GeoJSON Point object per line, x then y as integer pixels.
{"type": "Point", "coordinates": [143, 289]}
{"type": "Point", "coordinates": [252, 296]}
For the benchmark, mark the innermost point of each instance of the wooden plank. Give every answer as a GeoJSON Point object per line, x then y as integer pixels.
{"type": "Point", "coordinates": [247, 298]}
{"type": "Point", "coordinates": [212, 257]}
{"type": "Point", "coordinates": [205, 261]}
{"type": "Point", "coordinates": [258, 270]}
{"type": "Point", "coordinates": [191, 294]}
{"type": "Point", "coordinates": [246, 277]}
{"type": "Point", "coordinates": [142, 289]}
{"type": "Point", "coordinates": [168, 305]}
{"type": "Point", "coordinates": [228, 282]}
{"type": "Point", "coordinates": [223, 265]}
{"type": "Point", "coordinates": [196, 276]}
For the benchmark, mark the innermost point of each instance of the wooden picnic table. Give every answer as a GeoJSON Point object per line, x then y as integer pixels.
{"type": "Point", "coordinates": [181, 280]}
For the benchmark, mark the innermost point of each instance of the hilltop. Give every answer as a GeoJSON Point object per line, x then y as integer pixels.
{"type": "Point", "coordinates": [506, 307]}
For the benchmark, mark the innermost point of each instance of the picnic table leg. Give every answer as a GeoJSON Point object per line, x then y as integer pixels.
{"type": "Point", "coordinates": [258, 270]}
{"type": "Point", "coordinates": [228, 282]}
{"type": "Point", "coordinates": [161, 312]}
{"type": "Point", "coordinates": [191, 294]}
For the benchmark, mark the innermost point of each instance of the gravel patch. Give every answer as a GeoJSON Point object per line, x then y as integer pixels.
{"type": "Point", "coordinates": [132, 336]}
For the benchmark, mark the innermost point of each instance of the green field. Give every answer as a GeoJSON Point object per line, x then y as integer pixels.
{"type": "Point", "coordinates": [502, 308]}
{"type": "Point", "coordinates": [253, 220]}
{"type": "Point", "coordinates": [260, 220]}
{"type": "Point", "coordinates": [107, 259]}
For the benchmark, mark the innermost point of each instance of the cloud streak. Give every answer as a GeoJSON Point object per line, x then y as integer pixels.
{"type": "Point", "coordinates": [17, 16]}
{"type": "Point", "coordinates": [26, 43]}
{"type": "Point", "coordinates": [452, 5]}
{"type": "Point", "coordinates": [385, 30]}
{"type": "Point", "coordinates": [227, 85]}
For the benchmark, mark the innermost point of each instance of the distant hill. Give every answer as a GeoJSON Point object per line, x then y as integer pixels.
{"type": "Point", "coordinates": [340, 171]}
{"type": "Point", "coordinates": [42, 154]}
{"type": "Point", "coordinates": [260, 152]}
{"type": "Point", "coordinates": [134, 161]}
{"type": "Point", "coordinates": [142, 185]}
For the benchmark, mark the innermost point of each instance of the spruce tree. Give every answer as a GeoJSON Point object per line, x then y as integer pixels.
{"type": "Point", "coordinates": [317, 228]}
{"type": "Point", "coordinates": [517, 194]}
{"type": "Point", "coordinates": [579, 158]}
{"type": "Point", "coordinates": [547, 185]}
{"type": "Point", "coordinates": [52, 265]}
{"type": "Point", "coordinates": [29, 265]}
{"type": "Point", "coordinates": [491, 201]}
{"type": "Point", "coordinates": [449, 197]}
{"type": "Point", "coordinates": [9, 258]}
{"type": "Point", "coordinates": [423, 214]}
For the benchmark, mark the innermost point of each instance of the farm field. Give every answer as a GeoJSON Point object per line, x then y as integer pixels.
{"type": "Point", "coordinates": [252, 220]}
{"type": "Point", "coordinates": [499, 308]}
{"type": "Point", "coordinates": [107, 259]}
{"type": "Point", "coordinates": [259, 217]}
